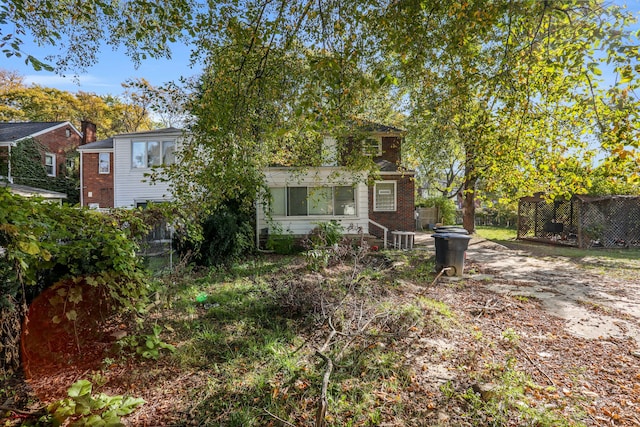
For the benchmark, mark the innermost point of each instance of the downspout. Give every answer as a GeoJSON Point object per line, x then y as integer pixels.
{"type": "Point", "coordinates": [257, 227]}
{"type": "Point", "coordinates": [9, 166]}
{"type": "Point", "coordinates": [81, 181]}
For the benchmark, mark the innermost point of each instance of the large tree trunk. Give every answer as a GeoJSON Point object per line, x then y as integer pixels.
{"type": "Point", "coordinates": [469, 192]}
{"type": "Point", "coordinates": [469, 206]}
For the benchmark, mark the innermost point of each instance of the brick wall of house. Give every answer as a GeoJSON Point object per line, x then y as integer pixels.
{"type": "Point", "coordinates": [57, 142]}
{"type": "Point", "coordinates": [89, 132]}
{"type": "Point", "coordinates": [98, 187]}
{"type": "Point", "coordinates": [390, 149]}
{"type": "Point", "coordinates": [403, 218]}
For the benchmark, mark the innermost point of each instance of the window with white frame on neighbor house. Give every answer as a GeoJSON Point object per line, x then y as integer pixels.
{"type": "Point", "coordinates": [104, 163]}
{"type": "Point", "coordinates": [313, 201]}
{"type": "Point", "coordinates": [50, 164]}
{"type": "Point", "coordinates": [384, 196]}
{"type": "Point", "coordinates": [147, 154]}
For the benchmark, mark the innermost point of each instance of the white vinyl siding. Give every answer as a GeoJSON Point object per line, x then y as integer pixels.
{"type": "Point", "coordinates": [132, 159]}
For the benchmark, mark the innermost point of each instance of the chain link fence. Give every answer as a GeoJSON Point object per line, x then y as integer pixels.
{"type": "Point", "coordinates": [582, 221]}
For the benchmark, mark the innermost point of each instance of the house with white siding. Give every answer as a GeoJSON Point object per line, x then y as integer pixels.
{"type": "Point", "coordinates": [300, 198]}
{"type": "Point", "coordinates": [114, 172]}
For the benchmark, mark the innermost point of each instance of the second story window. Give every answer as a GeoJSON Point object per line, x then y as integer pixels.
{"type": "Point", "coordinates": [146, 154]}
{"type": "Point", "coordinates": [50, 164]}
{"type": "Point", "coordinates": [168, 152]}
{"type": "Point", "coordinates": [372, 146]}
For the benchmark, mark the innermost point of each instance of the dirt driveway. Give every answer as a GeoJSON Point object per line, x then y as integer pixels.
{"type": "Point", "coordinates": [593, 302]}
{"type": "Point", "coordinates": [577, 323]}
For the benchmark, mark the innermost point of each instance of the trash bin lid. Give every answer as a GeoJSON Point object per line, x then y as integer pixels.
{"type": "Point", "coordinates": [451, 236]}
{"type": "Point", "coordinates": [450, 229]}
{"type": "Point", "coordinates": [457, 230]}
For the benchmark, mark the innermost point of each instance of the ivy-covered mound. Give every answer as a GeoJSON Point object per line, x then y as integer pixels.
{"type": "Point", "coordinates": [84, 261]}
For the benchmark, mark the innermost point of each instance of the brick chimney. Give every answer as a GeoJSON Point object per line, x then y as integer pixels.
{"type": "Point", "coordinates": [88, 132]}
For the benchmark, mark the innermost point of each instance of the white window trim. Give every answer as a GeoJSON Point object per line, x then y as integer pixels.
{"type": "Point", "coordinates": [378, 152]}
{"type": "Point", "coordinates": [53, 165]}
{"type": "Point", "coordinates": [108, 171]}
{"type": "Point", "coordinates": [333, 215]}
{"type": "Point", "coordinates": [395, 196]}
{"type": "Point", "coordinates": [146, 142]}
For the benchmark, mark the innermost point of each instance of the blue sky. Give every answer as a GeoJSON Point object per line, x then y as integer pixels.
{"type": "Point", "coordinates": [114, 67]}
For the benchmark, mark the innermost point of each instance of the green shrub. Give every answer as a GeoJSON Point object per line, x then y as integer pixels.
{"type": "Point", "coordinates": [222, 238]}
{"type": "Point", "coordinates": [87, 409]}
{"type": "Point", "coordinates": [326, 234]}
{"type": "Point", "coordinates": [27, 169]}
{"type": "Point", "coordinates": [45, 243]}
{"type": "Point", "coordinates": [446, 208]}
{"type": "Point", "coordinates": [283, 244]}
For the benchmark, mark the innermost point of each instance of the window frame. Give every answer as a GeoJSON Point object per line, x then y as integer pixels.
{"type": "Point", "coordinates": [368, 146]}
{"type": "Point", "coordinates": [285, 210]}
{"type": "Point", "coordinates": [376, 208]}
{"type": "Point", "coordinates": [51, 156]}
{"type": "Point", "coordinates": [162, 145]}
{"type": "Point", "coordinates": [101, 171]}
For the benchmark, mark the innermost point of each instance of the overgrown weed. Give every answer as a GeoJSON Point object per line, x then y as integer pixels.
{"type": "Point", "coordinates": [253, 331]}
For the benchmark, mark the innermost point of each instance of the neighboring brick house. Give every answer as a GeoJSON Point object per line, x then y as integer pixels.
{"type": "Point", "coordinates": [96, 174]}
{"type": "Point", "coordinates": [332, 193]}
{"type": "Point", "coordinates": [113, 171]}
{"type": "Point", "coordinates": [57, 139]}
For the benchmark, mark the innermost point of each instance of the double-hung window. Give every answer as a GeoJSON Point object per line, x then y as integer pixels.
{"type": "Point", "coordinates": [372, 146]}
{"type": "Point", "coordinates": [313, 201]}
{"type": "Point", "coordinates": [168, 152]}
{"type": "Point", "coordinates": [104, 163]}
{"type": "Point", "coordinates": [50, 164]}
{"type": "Point", "coordinates": [384, 196]}
{"type": "Point", "coordinates": [147, 154]}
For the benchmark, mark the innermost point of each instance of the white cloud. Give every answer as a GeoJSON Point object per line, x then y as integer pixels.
{"type": "Point", "coordinates": [85, 82]}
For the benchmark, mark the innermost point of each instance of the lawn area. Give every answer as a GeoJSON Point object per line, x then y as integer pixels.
{"type": "Point", "coordinates": [611, 257]}
{"type": "Point", "coordinates": [497, 234]}
{"type": "Point", "coordinates": [367, 340]}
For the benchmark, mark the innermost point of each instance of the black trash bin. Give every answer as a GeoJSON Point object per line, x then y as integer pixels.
{"type": "Point", "coordinates": [450, 252]}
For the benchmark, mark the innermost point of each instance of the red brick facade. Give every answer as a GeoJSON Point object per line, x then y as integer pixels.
{"type": "Point", "coordinates": [402, 218]}
{"type": "Point", "coordinates": [391, 147]}
{"type": "Point", "coordinates": [61, 141]}
{"type": "Point", "coordinates": [89, 132]}
{"type": "Point", "coordinates": [98, 187]}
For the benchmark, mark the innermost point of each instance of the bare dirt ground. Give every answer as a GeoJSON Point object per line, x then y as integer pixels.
{"type": "Point", "coordinates": [595, 303]}
{"type": "Point", "coordinates": [577, 326]}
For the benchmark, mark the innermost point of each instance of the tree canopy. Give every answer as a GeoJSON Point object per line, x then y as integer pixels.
{"type": "Point", "coordinates": [511, 90]}
{"type": "Point", "coordinates": [129, 112]}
